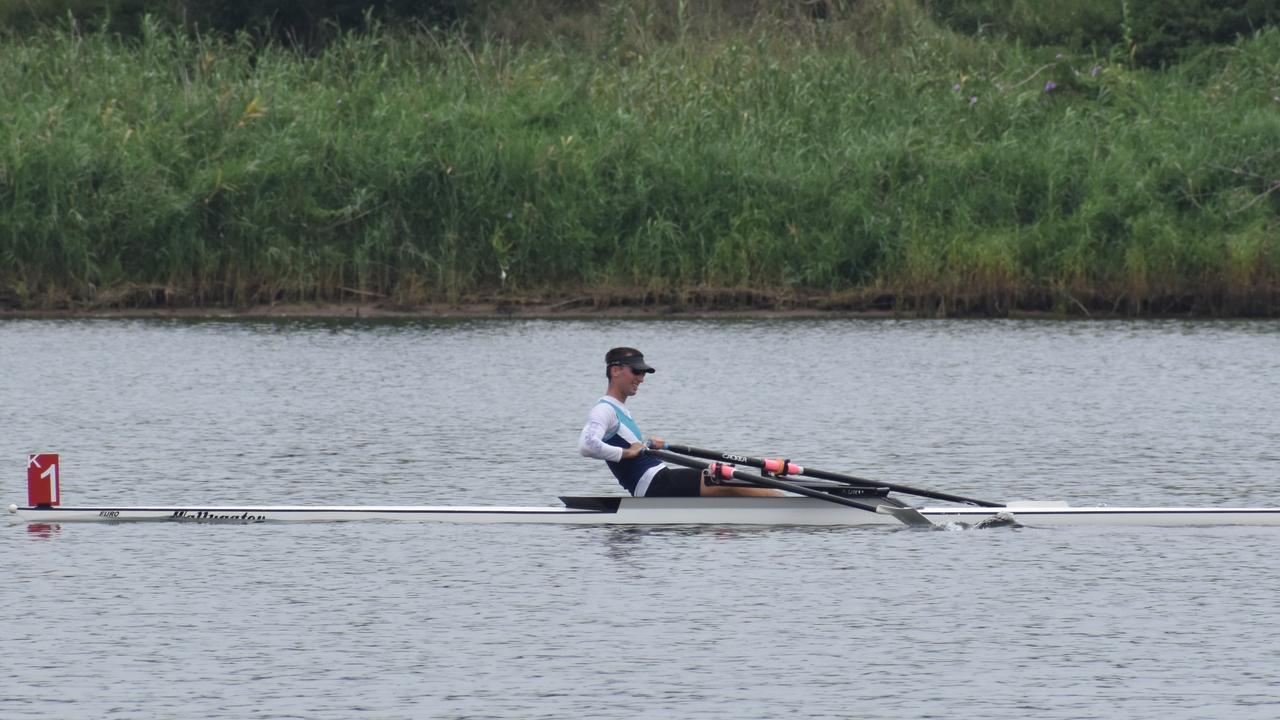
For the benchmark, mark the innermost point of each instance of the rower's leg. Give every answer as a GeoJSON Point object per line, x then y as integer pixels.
{"type": "Point", "coordinates": [723, 490]}
{"type": "Point", "coordinates": [687, 482]}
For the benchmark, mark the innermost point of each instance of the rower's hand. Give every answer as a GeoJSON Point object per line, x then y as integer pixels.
{"type": "Point", "coordinates": [633, 451]}
{"type": "Point", "coordinates": [657, 443]}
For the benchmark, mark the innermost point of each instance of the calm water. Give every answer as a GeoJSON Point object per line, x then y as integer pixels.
{"type": "Point", "coordinates": [393, 620]}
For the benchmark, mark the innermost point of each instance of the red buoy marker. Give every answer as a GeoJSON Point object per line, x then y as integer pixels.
{"type": "Point", "coordinates": [42, 480]}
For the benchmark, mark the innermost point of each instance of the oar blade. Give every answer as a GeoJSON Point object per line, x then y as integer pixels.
{"type": "Point", "coordinates": [906, 515]}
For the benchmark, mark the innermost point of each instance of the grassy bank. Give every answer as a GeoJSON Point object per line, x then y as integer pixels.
{"type": "Point", "coordinates": [896, 166]}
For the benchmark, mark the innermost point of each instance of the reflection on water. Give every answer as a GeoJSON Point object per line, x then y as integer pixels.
{"type": "Point", "coordinates": [43, 531]}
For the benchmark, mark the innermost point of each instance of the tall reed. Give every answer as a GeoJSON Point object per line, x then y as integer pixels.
{"type": "Point", "coordinates": [896, 166]}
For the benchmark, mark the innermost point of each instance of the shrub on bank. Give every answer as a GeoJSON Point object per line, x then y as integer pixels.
{"type": "Point", "coordinates": [1152, 32]}
{"type": "Point", "coordinates": [1162, 32]}
{"type": "Point", "coordinates": [305, 21]}
{"type": "Point", "coordinates": [1079, 24]}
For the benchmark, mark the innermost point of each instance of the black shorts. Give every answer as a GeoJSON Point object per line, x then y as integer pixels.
{"type": "Point", "coordinates": [675, 482]}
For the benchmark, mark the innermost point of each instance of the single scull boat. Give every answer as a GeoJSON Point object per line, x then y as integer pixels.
{"type": "Point", "coordinates": [833, 500]}
{"type": "Point", "coordinates": [613, 510]}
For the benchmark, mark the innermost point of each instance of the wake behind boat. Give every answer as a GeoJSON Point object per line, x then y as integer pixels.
{"type": "Point", "coordinates": [819, 499]}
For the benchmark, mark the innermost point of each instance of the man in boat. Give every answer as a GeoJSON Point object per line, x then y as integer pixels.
{"type": "Point", "coordinates": [611, 434]}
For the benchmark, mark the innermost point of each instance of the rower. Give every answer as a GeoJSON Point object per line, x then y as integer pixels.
{"type": "Point", "coordinates": [611, 434]}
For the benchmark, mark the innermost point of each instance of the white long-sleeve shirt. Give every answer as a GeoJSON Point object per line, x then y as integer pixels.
{"type": "Point", "coordinates": [602, 422]}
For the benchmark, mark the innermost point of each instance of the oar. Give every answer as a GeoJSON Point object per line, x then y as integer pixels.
{"type": "Point", "coordinates": [907, 515]}
{"type": "Point", "coordinates": [785, 467]}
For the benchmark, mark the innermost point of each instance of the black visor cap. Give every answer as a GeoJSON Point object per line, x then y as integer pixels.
{"type": "Point", "coordinates": [635, 362]}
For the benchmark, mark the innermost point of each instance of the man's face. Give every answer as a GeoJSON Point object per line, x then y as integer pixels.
{"type": "Point", "coordinates": [628, 380]}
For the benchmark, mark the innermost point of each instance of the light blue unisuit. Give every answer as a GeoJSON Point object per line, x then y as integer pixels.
{"type": "Point", "coordinates": [621, 432]}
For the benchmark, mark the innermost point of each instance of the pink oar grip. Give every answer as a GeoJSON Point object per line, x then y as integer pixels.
{"type": "Point", "coordinates": [722, 470]}
{"type": "Point", "coordinates": [778, 466]}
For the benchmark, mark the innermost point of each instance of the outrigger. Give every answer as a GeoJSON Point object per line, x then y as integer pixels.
{"type": "Point", "coordinates": [817, 498]}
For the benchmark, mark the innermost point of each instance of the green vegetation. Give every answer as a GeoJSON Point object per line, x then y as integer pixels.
{"type": "Point", "coordinates": [1152, 33]}
{"type": "Point", "coordinates": [876, 159]}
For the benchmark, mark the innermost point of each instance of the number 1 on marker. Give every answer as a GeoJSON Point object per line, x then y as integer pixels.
{"type": "Point", "coordinates": [42, 479]}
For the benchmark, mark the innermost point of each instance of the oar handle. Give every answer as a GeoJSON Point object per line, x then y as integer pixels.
{"type": "Point", "coordinates": [769, 465]}
{"type": "Point", "coordinates": [775, 466]}
{"type": "Point", "coordinates": [730, 471]}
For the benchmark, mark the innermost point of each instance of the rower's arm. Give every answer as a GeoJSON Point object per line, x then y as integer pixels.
{"type": "Point", "coordinates": [600, 421]}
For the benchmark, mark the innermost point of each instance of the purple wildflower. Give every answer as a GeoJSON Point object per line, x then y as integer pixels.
{"type": "Point", "coordinates": [955, 88]}
{"type": "Point", "coordinates": [510, 215]}
{"type": "Point", "coordinates": [973, 99]}
{"type": "Point", "coordinates": [1096, 71]}
{"type": "Point", "coordinates": [1050, 86]}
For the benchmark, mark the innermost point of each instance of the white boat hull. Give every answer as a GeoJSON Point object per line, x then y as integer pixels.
{"type": "Point", "coordinates": [657, 511]}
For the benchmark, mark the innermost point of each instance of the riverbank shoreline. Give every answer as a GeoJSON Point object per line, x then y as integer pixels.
{"type": "Point", "coordinates": [561, 310]}
{"type": "Point", "coordinates": [445, 311]}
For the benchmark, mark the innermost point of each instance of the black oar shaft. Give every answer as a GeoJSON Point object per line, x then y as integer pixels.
{"type": "Point", "coordinates": [826, 475]}
{"type": "Point", "coordinates": [764, 481]}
